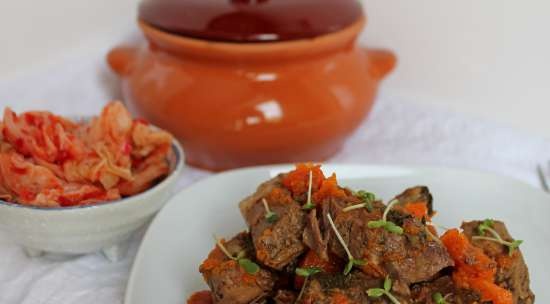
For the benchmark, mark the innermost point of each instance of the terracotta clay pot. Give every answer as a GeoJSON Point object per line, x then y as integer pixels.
{"type": "Point", "coordinates": [239, 104]}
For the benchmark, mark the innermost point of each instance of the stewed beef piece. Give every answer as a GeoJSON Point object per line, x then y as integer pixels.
{"type": "Point", "coordinates": [318, 231]}
{"type": "Point", "coordinates": [285, 297]}
{"type": "Point", "coordinates": [415, 256]}
{"type": "Point", "coordinates": [315, 236]}
{"type": "Point", "coordinates": [418, 194]}
{"type": "Point", "coordinates": [278, 242]}
{"type": "Point", "coordinates": [229, 281]}
{"type": "Point", "coordinates": [423, 293]}
{"type": "Point", "coordinates": [411, 257]}
{"type": "Point", "coordinates": [512, 272]}
{"type": "Point", "coordinates": [326, 288]}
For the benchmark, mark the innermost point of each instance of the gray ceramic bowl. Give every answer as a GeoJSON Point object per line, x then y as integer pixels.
{"type": "Point", "coordinates": [86, 229]}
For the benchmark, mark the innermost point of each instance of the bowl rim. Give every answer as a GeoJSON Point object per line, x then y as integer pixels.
{"type": "Point", "coordinates": [174, 174]}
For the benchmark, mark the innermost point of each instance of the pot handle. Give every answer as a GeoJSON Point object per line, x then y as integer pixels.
{"type": "Point", "coordinates": [121, 59]}
{"type": "Point", "coordinates": [381, 62]}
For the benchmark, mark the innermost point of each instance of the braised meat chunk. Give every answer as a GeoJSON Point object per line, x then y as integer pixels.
{"type": "Point", "coordinates": [426, 293]}
{"type": "Point", "coordinates": [338, 288]}
{"type": "Point", "coordinates": [415, 256]}
{"type": "Point", "coordinates": [277, 240]}
{"type": "Point", "coordinates": [417, 196]}
{"type": "Point", "coordinates": [285, 297]}
{"type": "Point", "coordinates": [512, 272]}
{"type": "Point", "coordinates": [411, 256]}
{"type": "Point", "coordinates": [231, 282]}
{"type": "Point", "coordinates": [315, 235]}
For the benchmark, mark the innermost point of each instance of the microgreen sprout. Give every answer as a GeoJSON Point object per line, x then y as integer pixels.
{"type": "Point", "coordinates": [351, 260]}
{"type": "Point", "coordinates": [438, 298]}
{"type": "Point", "coordinates": [306, 273]}
{"type": "Point", "coordinates": [270, 216]}
{"type": "Point", "coordinates": [487, 226]}
{"type": "Point", "coordinates": [223, 249]}
{"type": "Point", "coordinates": [386, 291]}
{"type": "Point", "coordinates": [248, 266]}
{"type": "Point", "coordinates": [384, 223]}
{"type": "Point", "coordinates": [367, 197]}
{"type": "Point", "coordinates": [433, 236]}
{"type": "Point", "coordinates": [309, 205]}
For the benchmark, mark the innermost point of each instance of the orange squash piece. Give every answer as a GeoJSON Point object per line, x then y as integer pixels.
{"type": "Point", "coordinates": [474, 269]}
{"type": "Point", "coordinates": [297, 181]}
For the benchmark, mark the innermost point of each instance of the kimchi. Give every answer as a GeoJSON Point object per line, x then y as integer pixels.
{"type": "Point", "coordinates": [50, 161]}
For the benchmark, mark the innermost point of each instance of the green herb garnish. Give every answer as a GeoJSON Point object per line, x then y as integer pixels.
{"type": "Point", "coordinates": [386, 291]}
{"type": "Point", "coordinates": [438, 298]}
{"type": "Point", "coordinates": [367, 197]}
{"type": "Point", "coordinates": [384, 223]}
{"type": "Point", "coordinates": [306, 273]}
{"type": "Point", "coordinates": [351, 260]}
{"type": "Point", "coordinates": [270, 216]}
{"type": "Point", "coordinates": [248, 266]}
{"type": "Point", "coordinates": [309, 205]}
{"type": "Point", "coordinates": [487, 226]}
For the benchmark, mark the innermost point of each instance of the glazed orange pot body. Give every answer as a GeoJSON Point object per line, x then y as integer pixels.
{"type": "Point", "coordinates": [241, 104]}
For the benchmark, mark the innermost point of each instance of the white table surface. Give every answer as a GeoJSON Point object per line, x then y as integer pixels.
{"type": "Point", "coordinates": [485, 58]}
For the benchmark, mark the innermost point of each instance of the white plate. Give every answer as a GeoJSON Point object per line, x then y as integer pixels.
{"type": "Point", "coordinates": [166, 267]}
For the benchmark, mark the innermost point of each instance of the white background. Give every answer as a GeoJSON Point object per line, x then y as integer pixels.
{"type": "Point", "coordinates": [487, 58]}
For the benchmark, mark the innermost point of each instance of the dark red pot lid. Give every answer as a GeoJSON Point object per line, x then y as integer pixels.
{"type": "Point", "coordinates": [250, 20]}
